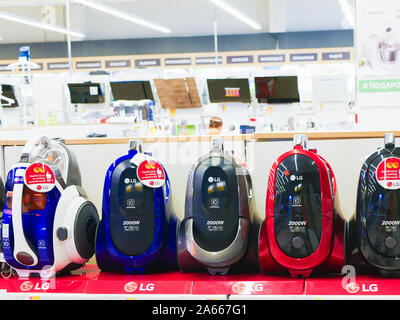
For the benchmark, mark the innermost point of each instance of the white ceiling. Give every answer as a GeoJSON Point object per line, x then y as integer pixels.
{"type": "Point", "coordinates": [183, 17]}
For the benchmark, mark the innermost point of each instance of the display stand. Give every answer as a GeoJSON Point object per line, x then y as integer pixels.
{"type": "Point", "coordinates": [248, 286]}
{"type": "Point", "coordinates": [364, 287]}
{"type": "Point", "coordinates": [90, 283]}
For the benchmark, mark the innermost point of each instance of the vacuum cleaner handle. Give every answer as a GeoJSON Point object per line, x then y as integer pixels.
{"type": "Point", "coordinates": [27, 150]}
{"type": "Point", "coordinates": [167, 184]}
{"type": "Point", "coordinates": [390, 140]}
{"type": "Point", "coordinates": [301, 140]}
{"type": "Point", "coordinates": [22, 251]}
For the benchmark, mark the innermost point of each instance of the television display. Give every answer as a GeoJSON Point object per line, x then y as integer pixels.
{"type": "Point", "coordinates": [281, 89]}
{"type": "Point", "coordinates": [131, 90]}
{"type": "Point", "coordinates": [86, 92]}
{"type": "Point", "coordinates": [8, 92]}
{"type": "Point", "coordinates": [228, 90]}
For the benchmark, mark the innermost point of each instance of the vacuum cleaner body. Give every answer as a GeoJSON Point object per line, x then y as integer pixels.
{"type": "Point", "coordinates": [373, 233]}
{"type": "Point", "coordinates": [302, 230]}
{"type": "Point", "coordinates": [48, 225]}
{"type": "Point", "coordinates": [220, 228]}
{"type": "Point", "coordinates": [137, 232]}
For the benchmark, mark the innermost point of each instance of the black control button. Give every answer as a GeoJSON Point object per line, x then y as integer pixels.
{"type": "Point", "coordinates": [390, 242]}
{"type": "Point", "coordinates": [297, 242]}
{"type": "Point", "coordinates": [25, 258]}
{"type": "Point", "coordinates": [62, 234]}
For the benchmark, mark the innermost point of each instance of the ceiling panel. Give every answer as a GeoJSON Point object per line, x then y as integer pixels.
{"type": "Point", "coordinates": [311, 15]}
{"type": "Point", "coordinates": [184, 17]}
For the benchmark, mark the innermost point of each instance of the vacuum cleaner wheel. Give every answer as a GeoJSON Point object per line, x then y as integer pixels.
{"type": "Point", "coordinates": [85, 229]}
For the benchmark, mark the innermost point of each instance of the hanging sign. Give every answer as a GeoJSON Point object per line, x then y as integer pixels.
{"type": "Point", "coordinates": [388, 173]}
{"type": "Point", "coordinates": [149, 171]}
{"type": "Point", "coordinates": [39, 177]}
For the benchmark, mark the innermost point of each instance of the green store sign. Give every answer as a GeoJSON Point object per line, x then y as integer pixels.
{"type": "Point", "coordinates": [386, 85]}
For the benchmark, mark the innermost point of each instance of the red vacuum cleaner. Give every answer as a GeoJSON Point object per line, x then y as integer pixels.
{"type": "Point", "coordinates": [303, 230]}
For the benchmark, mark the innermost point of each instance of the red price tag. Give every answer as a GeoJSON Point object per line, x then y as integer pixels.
{"type": "Point", "coordinates": [388, 173]}
{"type": "Point", "coordinates": [151, 173]}
{"type": "Point", "coordinates": [39, 177]}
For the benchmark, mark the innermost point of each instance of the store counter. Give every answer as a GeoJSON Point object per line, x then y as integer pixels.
{"type": "Point", "coordinates": [269, 136]}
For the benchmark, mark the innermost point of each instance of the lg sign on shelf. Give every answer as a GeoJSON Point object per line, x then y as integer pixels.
{"type": "Point", "coordinates": [354, 288]}
{"type": "Point", "coordinates": [133, 286]}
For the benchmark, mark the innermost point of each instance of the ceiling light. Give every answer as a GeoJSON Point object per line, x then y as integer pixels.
{"type": "Point", "coordinates": [347, 12]}
{"type": "Point", "coordinates": [236, 13]}
{"type": "Point", "coordinates": [120, 14]}
{"type": "Point", "coordinates": [38, 24]}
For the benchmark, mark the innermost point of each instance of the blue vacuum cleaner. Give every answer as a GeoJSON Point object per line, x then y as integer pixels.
{"type": "Point", "coordinates": [48, 224]}
{"type": "Point", "coordinates": [137, 232]}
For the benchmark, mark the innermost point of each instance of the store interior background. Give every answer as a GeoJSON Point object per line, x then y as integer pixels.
{"type": "Point", "coordinates": [286, 25]}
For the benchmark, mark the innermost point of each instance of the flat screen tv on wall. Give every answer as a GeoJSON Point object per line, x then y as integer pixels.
{"type": "Point", "coordinates": [283, 89]}
{"type": "Point", "coordinates": [131, 90]}
{"type": "Point", "coordinates": [8, 92]}
{"type": "Point", "coordinates": [228, 90]}
{"type": "Point", "coordinates": [86, 92]}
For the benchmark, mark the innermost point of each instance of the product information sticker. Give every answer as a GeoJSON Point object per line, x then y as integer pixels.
{"type": "Point", "coordinates": [388, 173]}
{"type": "Point", "coordinates": [39, 177]}
{"type": "Point", "coordinates": [149, 171]}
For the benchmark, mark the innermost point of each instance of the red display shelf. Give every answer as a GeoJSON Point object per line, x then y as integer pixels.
{"type": "Point", "coordinates": [161, 283]}
{"type": "Point", "coordinates": [362, 286]}
{"type": "Point", "coordinates": [249, 284]}
{"type": "Point", "coordinates": [90, 281]}
{"type": "Point", "coordinates": [75, 283]}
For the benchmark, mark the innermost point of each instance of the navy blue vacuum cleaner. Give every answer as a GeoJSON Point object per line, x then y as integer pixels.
{"type": "Point", "coordinates": [137, 232]}
{"type": "Point", "coordinates": [219, 233]}
{"type": "Point", "coordinates": [372, 240]}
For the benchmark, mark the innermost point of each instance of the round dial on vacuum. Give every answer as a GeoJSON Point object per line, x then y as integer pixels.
{"type": "Point", "coordinates": [297, 206]}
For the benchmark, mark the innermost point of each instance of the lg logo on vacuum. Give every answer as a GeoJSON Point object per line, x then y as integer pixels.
{"type": "Point", "coordinates": [355, 287]}
{"type": "Point", "coordinates": [294, 178]}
